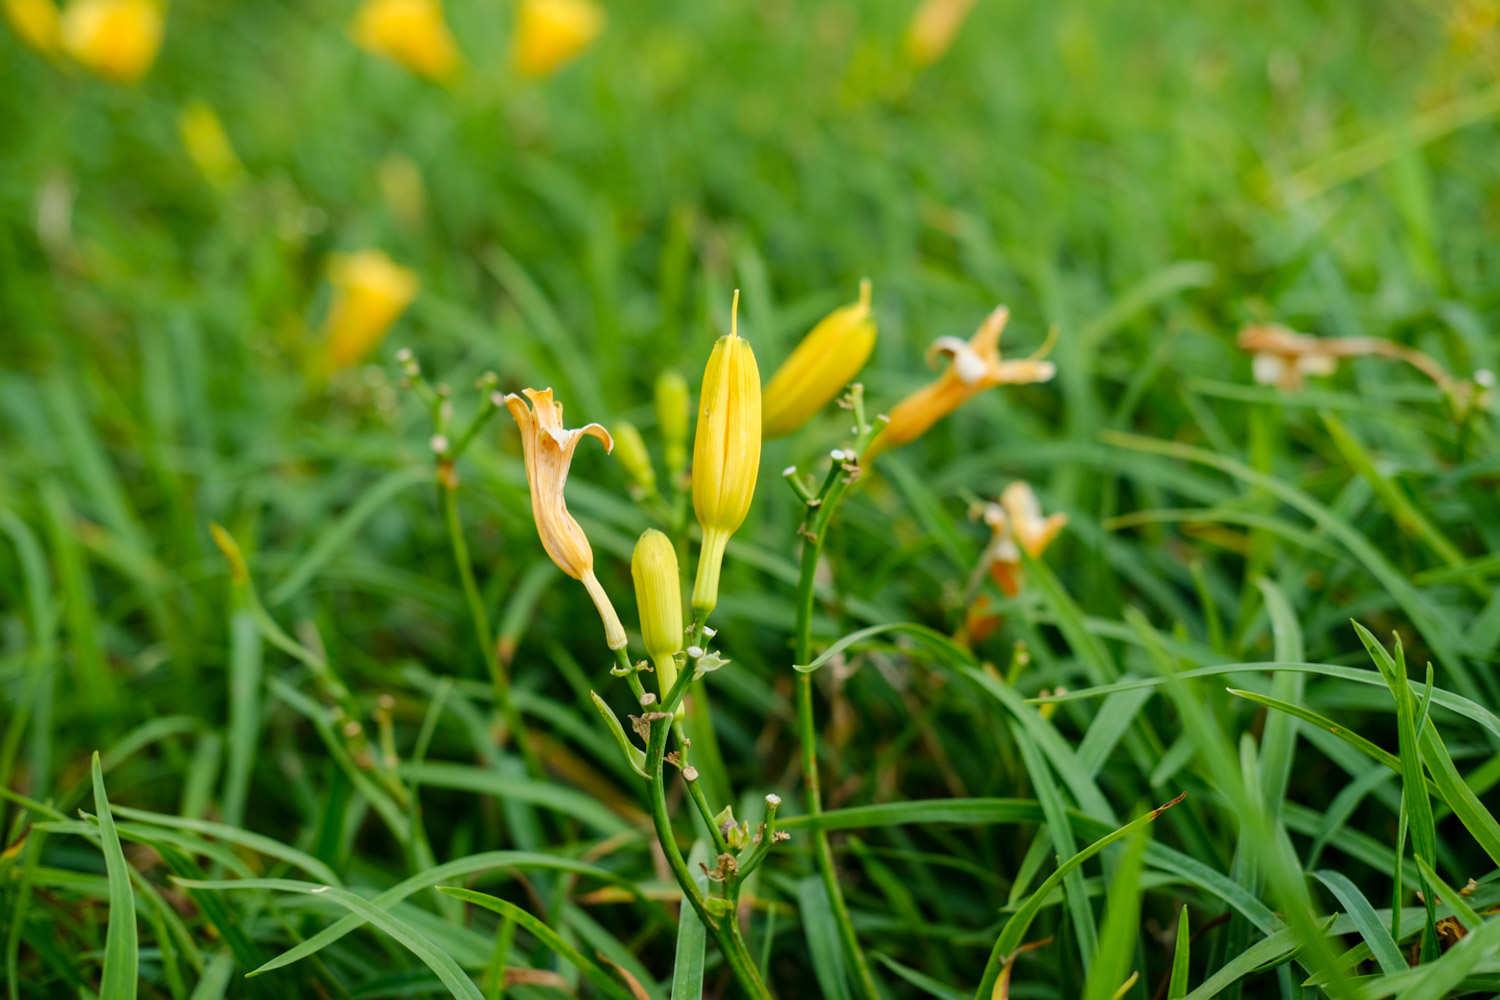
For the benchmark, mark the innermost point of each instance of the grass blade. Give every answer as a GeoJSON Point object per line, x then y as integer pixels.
{"type": "Point", "coordinates": [121, 955]}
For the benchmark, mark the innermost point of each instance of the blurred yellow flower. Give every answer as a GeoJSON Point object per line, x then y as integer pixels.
{"type": "Point", "coordinates": [974, 366]}
{"type": "Point", "coordinates": [551, 33]}
{"type": "Point", "coordinates": [208, 145]}
{"type": "Point", "coordinates": [36, 22]}
{"type": "Point", "coordinates": [932, 29]}
{"type": "Point", "coordinates": [548, 448]}
{"type": "Point", "coordinates": [116, 39]}
{"type": "Point", "coordinates": [726, 453]}
{"type": "Point", "coordinates": [658, 596]}
{"type": "Point", "coordinates": [369, 291]}
{"type": "Point", "coordinates": [827, 360]}
{"type": "Point", "coordinates": [1017, 525]}
{"type": "Point", "coordinates": [410, 32]}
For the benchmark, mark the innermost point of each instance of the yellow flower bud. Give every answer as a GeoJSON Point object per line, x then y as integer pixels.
{"type": "Point", "coordinates": [933, 28]}
{"type": "Point", "coordinates": [672, 406]}
{"type": "Point", "coordinates": [974, 366]}
{"type": "Point", "coordinates": [37, 22]}
{"type": "Point", "coordinates": [827, 360]}
{"type": "Point", "coordinates": [208, 144]}
{"type": "Point", "coordinates": [548, 449]}
{"type": "Point", "coordinates": [551, 33]}
{"type": "Point", "coordinates": [726, 453]}
{"type": "Point", "coordinates": [410, 32]}
{"type": "Point", "coordinates": [635, 457]}
{"type": "Point", "coordinates": [116, 39]}
{"type": "Point", "coordinates": [369, 292]}
{"type": "Point", "coordinates": [658, 595]}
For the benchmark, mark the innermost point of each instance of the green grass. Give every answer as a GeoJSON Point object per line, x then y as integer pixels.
{"type": "Point", "coordinates": [296, 750]}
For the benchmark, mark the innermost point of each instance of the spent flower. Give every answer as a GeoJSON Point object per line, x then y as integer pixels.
{"type": "Point", "coordinates": [548, 450]}
{"type": "Point", "coordinates": [974, 365]}
{"type": "Point", "coordinates": [1016, 525]}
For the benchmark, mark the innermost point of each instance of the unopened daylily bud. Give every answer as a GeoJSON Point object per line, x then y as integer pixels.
{"type": "Point", "coordinates": [369, 292]}
{"type": "Point", "coordinates": [115, 39]}
{"type": "Point", "coordinates": [635, 457]}
{"type": "Point", "coordinates": [410, 32]}
{"type": "Point", "coordinates": [672, 405]}
{"type": "Point", "coordinates": [548, 449]}
{"type": "Point", "coordinates": [974, 366]}
{"type": "Point", "coordinates": [551, 33]}
{"type": "Point", "coordinates": [36, 21]}
{"type": "Point", "coordinates": [827, 360]}
{"type": "Point", "coordinates": [658, 595]}
{"type": "Point", "coordinates": [726, 454]}
{"type": "Point", "coordinates": [208, 145]}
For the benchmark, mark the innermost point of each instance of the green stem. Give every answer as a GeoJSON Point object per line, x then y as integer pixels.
{"type": "Point", "coordinates": [725, 927]}
{"type": "Point", "coordinates": [448, 488]}
{"type": "Point", "coordinates": [815, 530]}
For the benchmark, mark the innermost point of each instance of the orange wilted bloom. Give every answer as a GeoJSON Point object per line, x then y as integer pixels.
{"type": "Point", "coordinates": [551, 33]}
{"type": "Point", "coordinates": [933, 28]}
{"type": "Point", "coordinates": [1284, 357]}
{"type": "Point", "coordinates": [548, 448]}
{"type": "Point", "coordinates": [37, 22]}
{"type": "Point", "coordinates": [115, 39]}
{"type": "Point", "coordinates": [974, 366]}
{"type": "Point", "coordinates": [410, 32]}
{"type": "Point", "coordinates": [1017, 525]}
{"type": "Point", "coordinates": [370, 291]}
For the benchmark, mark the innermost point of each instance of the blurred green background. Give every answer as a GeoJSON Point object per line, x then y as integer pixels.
{"type": "Point", "coordinates": [1147, 177]}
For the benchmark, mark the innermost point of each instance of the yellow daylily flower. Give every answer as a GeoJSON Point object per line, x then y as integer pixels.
{"type": "Point", "coordinates": [548, 449]}
{"type": "Point", "coordinates": [973, 366]}
{"type": "Point", "coordinates": [1017, 525]}
{"type": "Point", "coordinates": [551, 33]}
{"type": "Point", "coordinates": [410, 32]}
{"type": "Point", "coordinates": [115, 39]}
{"type": "Point", "coordinates": [820, 366]}
{"type": "Point", "coordinates": [658, 596]}
{"type": "Point", "coordinates": [726, 453]}
{"type": "Point", "coordinates": [208, 145]}
{"type": "Point", "coordinates": [370, 292]}
{"type": "Point", "coordinates": [932, 29]}
{"type": "Point", "coordinates": [37, 22]}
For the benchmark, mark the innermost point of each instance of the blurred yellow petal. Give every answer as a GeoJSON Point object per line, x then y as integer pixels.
{"type": "Point", "coordinates": [824, 362]}
{"type": "Point", "coordinates": [933, 27]}
{"type": "Point", "coordinates": [410, 32]}
{"type": "Point", "coordinates": [37, 22]}
{"type": "Point", "coordinates": [115, 39]}
{"type": "Point", "coordinates": [548, 449]}
{"type": "Point", "coordinates": [551, 33]}
{"type": "Point", "coordinates": [369, 292]}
